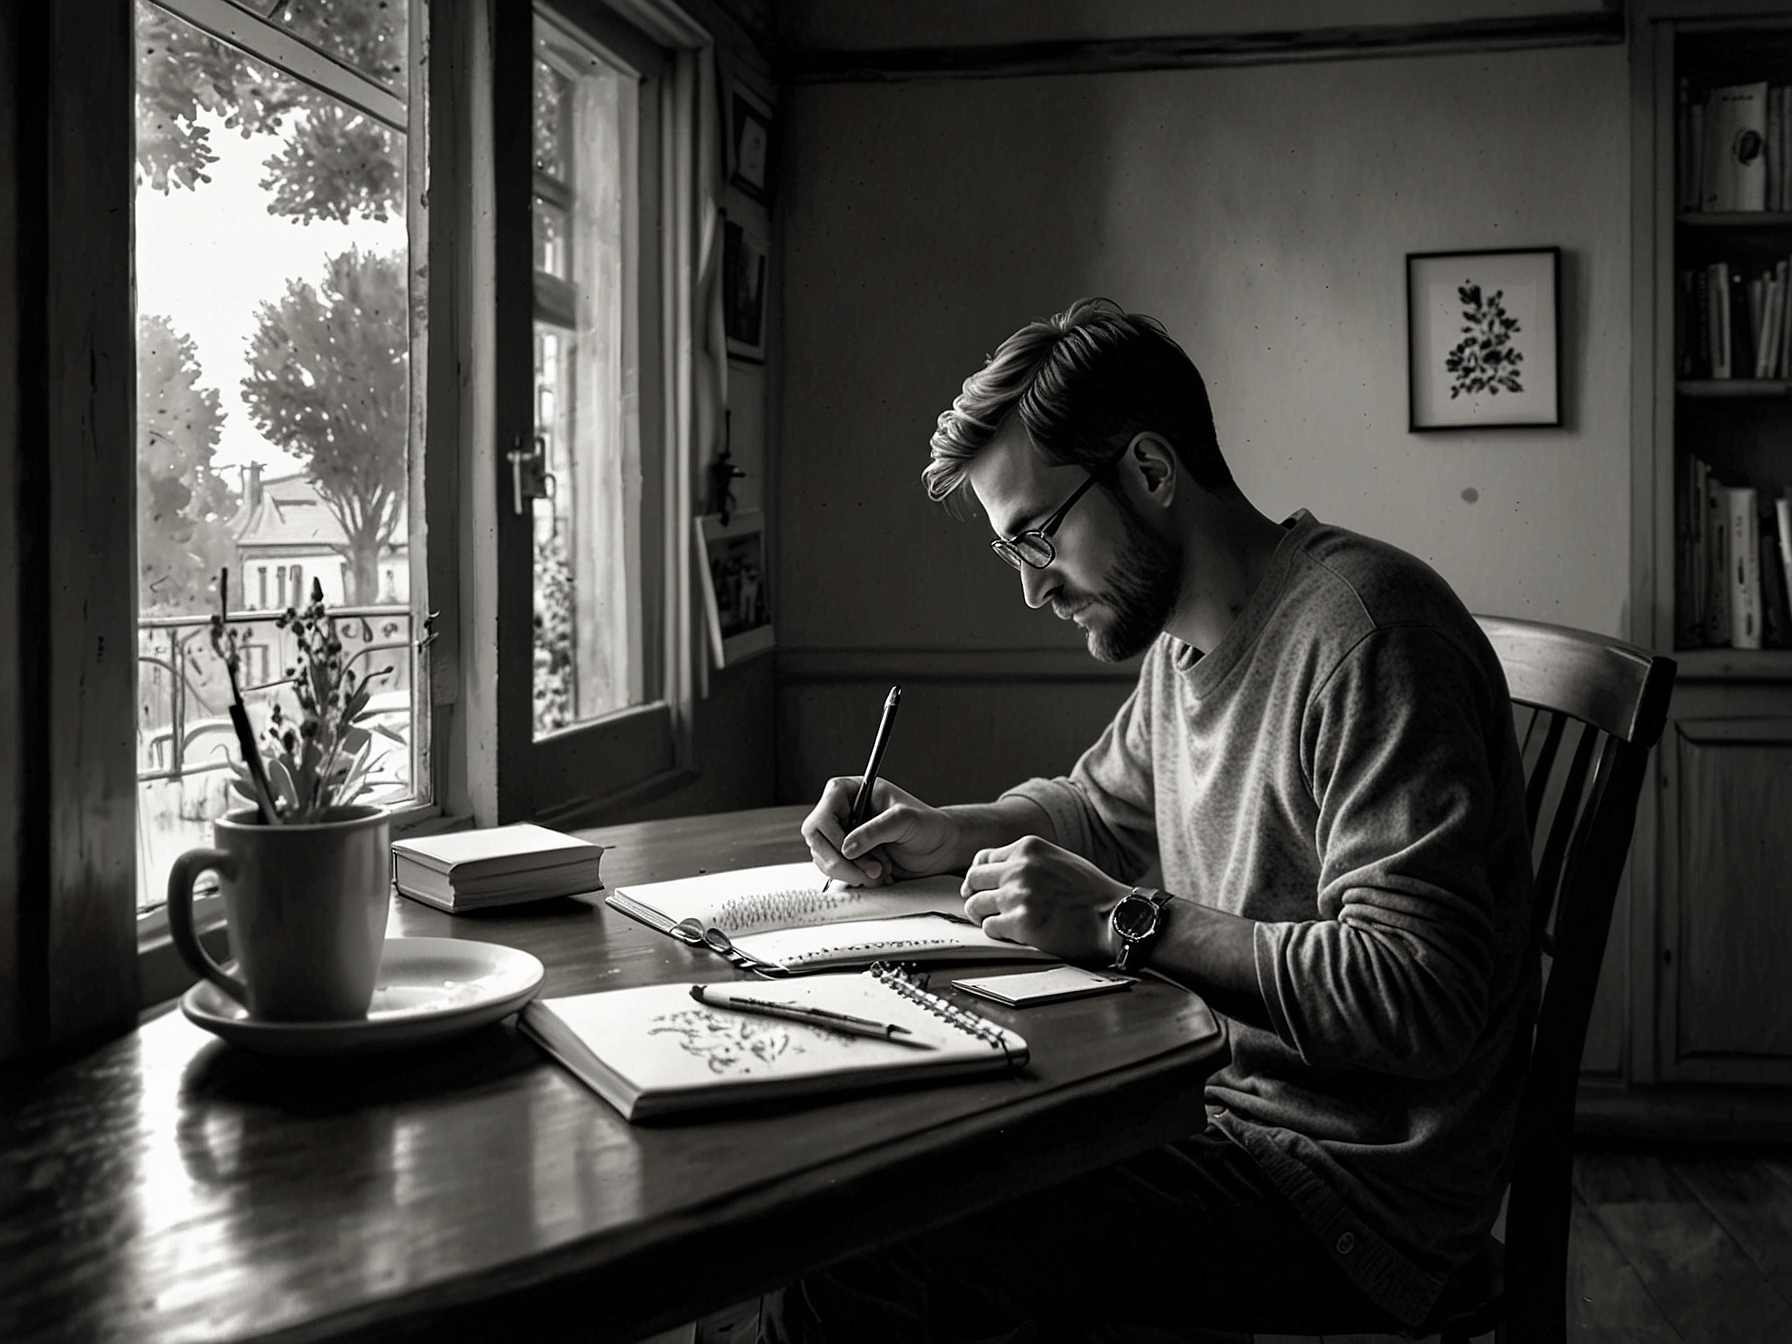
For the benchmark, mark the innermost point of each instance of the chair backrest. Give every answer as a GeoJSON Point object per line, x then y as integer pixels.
{"type": "Point", "coordinates": [1589, 711]}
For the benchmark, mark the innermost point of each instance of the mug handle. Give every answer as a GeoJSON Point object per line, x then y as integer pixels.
{"type": "Point", "coordinates": [180, 917]}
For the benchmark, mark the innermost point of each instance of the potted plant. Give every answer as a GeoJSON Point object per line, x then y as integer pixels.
{"type": "Point", "coordinates": [304, 872]}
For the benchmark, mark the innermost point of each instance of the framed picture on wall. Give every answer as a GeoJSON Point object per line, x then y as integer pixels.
{"type": "Point", "coordinates": [1483, 340]}
{"type": "Point", "coordinates": [746, 265]}
{"type": "Point", "coordinates": [750, 142]}
{"type": "Point", "coordinates": [731, 560]}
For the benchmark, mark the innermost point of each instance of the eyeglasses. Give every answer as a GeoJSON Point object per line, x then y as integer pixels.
{"type": "Point", "coordinates": [1033, 548]}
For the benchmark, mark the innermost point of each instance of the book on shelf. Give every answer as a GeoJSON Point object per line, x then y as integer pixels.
{"type": "Point", "coordinates": [498, 865]}
{"type": "Point", "coordinates": [1733, 162]}
{"type": "Point", "coordinates": [1745, 567]}
{"type": "Point", "coordinates": [783, 919]}
{"type": "Point", "coordinates": [1782, 517]}
{"type": "Point", "coordinates": [656, 1050]}
{"type": "Point", "coordinates": [1717, 567]}
{"type": "Point", "coordinates": [1776, 613]}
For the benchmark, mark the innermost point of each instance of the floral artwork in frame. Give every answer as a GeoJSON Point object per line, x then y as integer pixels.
{"type": "Point", "coordinates": [1483, 339]}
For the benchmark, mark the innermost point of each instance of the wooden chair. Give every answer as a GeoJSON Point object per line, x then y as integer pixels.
{"type": "Point", "coordinates": [1589, 711]}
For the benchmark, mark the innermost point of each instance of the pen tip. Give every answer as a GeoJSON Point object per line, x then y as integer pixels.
{"type": "Point", "coordinates": [697, 993]}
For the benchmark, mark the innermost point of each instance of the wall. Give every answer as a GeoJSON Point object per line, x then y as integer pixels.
{"type": "Point", "coordinates": [1263, 213]}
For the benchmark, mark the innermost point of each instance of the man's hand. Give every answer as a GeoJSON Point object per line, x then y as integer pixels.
{"type": "Point", "coordinates": [1034, 892]}
{"type": "Point", "coordinates": [904, 837]}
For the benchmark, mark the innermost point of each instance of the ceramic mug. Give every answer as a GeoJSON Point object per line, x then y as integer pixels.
{"type": "Point", "coordinates": [306, 905]}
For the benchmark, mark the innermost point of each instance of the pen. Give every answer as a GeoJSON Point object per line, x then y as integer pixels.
{"type": "Point", "coordinates": [861, 801]}
{"type": "Point", "coordinates": [815, 1017]}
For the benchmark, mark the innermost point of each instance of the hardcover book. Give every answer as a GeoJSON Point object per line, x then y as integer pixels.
{"type": "Point", "coordinates": [499, 865]}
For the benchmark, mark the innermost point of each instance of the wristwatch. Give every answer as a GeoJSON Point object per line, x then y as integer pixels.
{"type": "Point", "coordinates": [1136, 921]}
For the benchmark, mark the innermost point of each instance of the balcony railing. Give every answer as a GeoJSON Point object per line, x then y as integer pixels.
{"type": "Point", "coordinates": [185, 742]}
{"type": "Point", "coordinates": [183, 691]}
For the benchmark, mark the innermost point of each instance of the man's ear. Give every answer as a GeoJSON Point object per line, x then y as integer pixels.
{"type": "Point", "coordinates": [1155, 464]}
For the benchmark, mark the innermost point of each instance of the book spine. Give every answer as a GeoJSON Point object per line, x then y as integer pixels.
{"type": "Point", "coordinates": [1782, 509]}
{"type": "Point", "coordinates": [1745, 569]}
{"type": "Point", "coordinates": [1720, 319]}
{"type": "Point", "coordinates": [1717, 569]}
{"type": "Point", "coordinates": [1742, 344]}
{"type": "Point", "coordinates": [1687, 631]}
{"type": "Point", "coordinates": [1776, 614]}
{"type": "Point", "coordinates": [1701, 314]}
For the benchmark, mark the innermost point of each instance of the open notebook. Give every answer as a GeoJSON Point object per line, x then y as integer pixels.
{"type": "Point", "coordinates": [653, 1050]}
{"type": "Point", "coordinates": [782, 918]}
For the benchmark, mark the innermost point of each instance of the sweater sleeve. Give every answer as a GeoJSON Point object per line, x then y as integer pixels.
{"type": "Point", "coordinates": [1105, 809]}
{"type": "Point", "coordinates": [1394, 975]}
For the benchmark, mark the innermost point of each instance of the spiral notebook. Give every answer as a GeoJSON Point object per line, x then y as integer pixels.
{"type": "Point", "coordinates": [785, 921]}
{"type": "Point", "coordinates": [652, 1050]}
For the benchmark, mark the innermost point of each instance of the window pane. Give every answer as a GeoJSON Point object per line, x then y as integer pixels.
{"type": "Point", "coordinates": [365, 35]}
{"type": "Point", "coordinates": [273, 403]}
{"type": "Point", "coordinates": [587, 543]}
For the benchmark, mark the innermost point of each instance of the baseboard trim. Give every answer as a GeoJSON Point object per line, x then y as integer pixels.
{"type": "Point", "coordinates": [1694, 1115]}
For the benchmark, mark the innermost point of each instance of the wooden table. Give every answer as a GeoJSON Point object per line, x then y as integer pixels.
{"type": "Point", "coordinates": [167, 1187]}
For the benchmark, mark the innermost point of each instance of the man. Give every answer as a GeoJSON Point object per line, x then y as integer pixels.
{"type": "Point", "coordinates": [1320, 756]}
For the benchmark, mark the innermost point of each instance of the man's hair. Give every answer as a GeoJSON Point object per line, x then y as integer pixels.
{"type": "Point", "coordinates": [1083, 382]}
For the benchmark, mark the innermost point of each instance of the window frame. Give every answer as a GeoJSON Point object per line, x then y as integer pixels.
{"type": "Point", "coordinates": [575, 775]}
{"type": "Point", "coordinates": [161, 973]}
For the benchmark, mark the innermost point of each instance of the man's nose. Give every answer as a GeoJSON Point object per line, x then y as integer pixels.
{"type": "Point", "coordinates": [1038, 585]}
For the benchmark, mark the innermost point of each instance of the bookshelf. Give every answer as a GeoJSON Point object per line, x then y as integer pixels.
{"type": "Point", "coordinates": [1707, 1002]}
{"type": "Point", "coordinates": [1731, 273]}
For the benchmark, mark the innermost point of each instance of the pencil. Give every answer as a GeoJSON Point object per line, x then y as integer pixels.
{"type": "Point", "coordinates": [857, 814]}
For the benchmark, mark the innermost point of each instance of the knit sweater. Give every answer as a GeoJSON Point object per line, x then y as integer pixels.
{"type": "Point", "coordinates": [1342, 768]}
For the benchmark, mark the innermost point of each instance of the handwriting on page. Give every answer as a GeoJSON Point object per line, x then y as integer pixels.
{"type": "Point", "coordinates": [787, 908]}
{"type": "Point", "coordinates": [730, 1044]}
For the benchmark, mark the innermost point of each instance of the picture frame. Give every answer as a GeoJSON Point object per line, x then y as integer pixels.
{"type": "Point", "coordinates": [746, 275]}
{"type": "Point", "coordinates": [1483, 339]}
{"type": "Point", "coordinates": [750, 143]}
{"type": "Point", "coordinates": [736, 600]}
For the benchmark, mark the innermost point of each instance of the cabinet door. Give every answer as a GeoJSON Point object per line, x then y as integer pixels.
{"type": "Point", "coordinates": [1727, 919]}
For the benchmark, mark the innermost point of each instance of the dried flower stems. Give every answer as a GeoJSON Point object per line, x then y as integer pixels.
{"type": "Point", "coordinates": [239, 715]}
{"type": "Point", "coordinates": [322, 761]}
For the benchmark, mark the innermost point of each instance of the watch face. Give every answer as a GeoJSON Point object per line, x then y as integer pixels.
{"type": "Point", "coordinates": [1134, 917]}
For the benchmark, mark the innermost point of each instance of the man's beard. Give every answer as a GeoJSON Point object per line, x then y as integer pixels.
{"type": "Point", "coordinates": [1138, 594]}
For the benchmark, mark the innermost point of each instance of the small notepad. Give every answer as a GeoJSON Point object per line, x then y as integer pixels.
{"type": "Point", "coordinates": [653, 1050]}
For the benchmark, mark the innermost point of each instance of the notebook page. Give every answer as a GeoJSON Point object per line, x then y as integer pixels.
{"type": "Point", "coordinates": [783, 896]}
{"type": "Point", "coordinates": [659, 1050]}
{"type": "Point", "coordinates": [861, 942]}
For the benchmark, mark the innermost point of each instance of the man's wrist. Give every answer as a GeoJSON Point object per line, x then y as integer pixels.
{"type": "Point", "coordinates": [991, 825]}
{"type": "Point", "coordinates": [1135, 925]}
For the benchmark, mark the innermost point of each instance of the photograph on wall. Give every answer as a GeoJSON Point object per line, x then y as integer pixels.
{"type": "Point", "coordinates": [736, 599]}
{"type": "Point", "coordinates": [750, 143]}
{"type": "Point", "coordinates": [745, 264]}
{"type": "Point", "coordinates": [1483, 339]}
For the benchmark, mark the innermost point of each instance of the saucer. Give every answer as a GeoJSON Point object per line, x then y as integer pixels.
{"type": "Point", "coordinates": [429, 988]}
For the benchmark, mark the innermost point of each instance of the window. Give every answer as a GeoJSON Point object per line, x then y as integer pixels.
{"type": "Point", "coordinates": [275, 383]}
{"type": "Point", "coordinates": [591, 543]}
{"type": "Point", "coordinates": [587, 560]}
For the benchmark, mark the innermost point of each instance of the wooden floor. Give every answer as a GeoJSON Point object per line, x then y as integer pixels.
{"type": "Point", "coordinates": [1670, 1246]}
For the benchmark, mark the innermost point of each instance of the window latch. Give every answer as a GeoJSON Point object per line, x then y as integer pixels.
{"type": "Point", "coordinates": [529, 476]}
